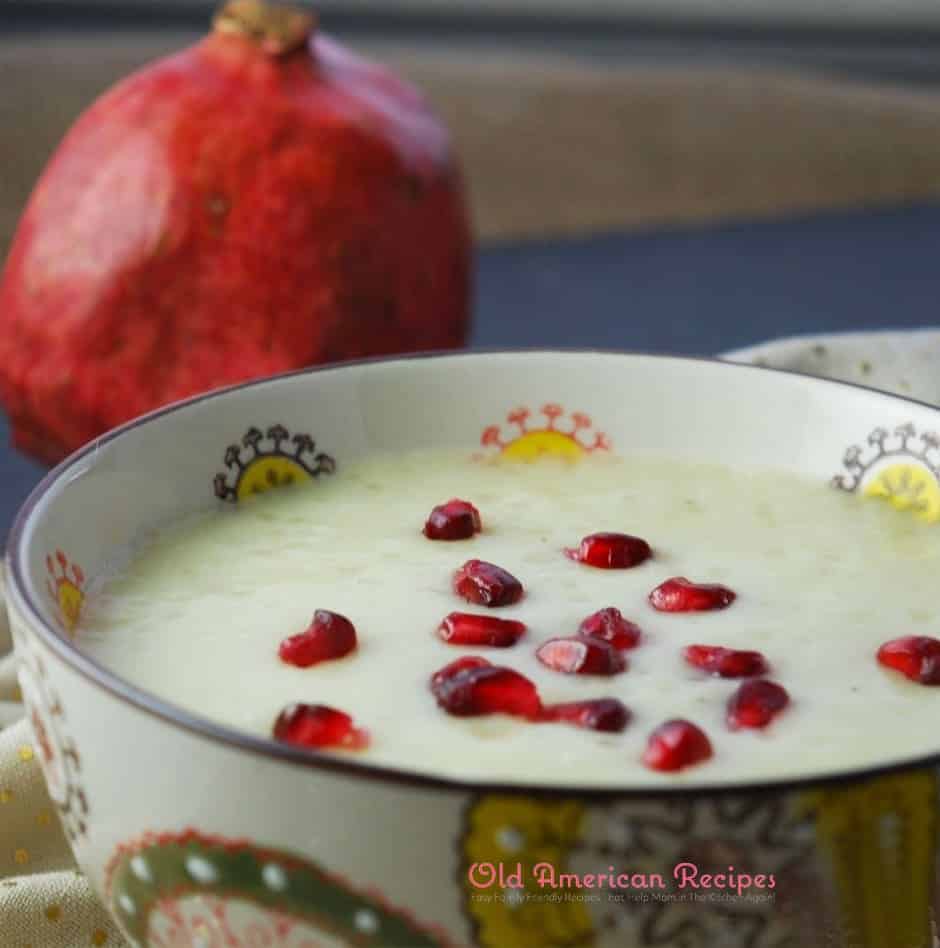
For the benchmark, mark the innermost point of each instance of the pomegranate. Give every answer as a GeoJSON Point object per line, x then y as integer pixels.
{"type": "Point", "coordinates": [262, 201]}
{"type": "Point", "coordinates": [682, 595]}
{"type": "Point", "coordinates": [455, 668]}
{"type": "Point", "coordinates": [756, 703]}
{"type": "Point", "coordinates": [328, 636]}
{"type": "Point", "coordinates": [316, 725]}
{"type": "Point", "coordinates": [725, 662]}
{"type": "Point", "coordinates": [467, 688]}
{"type": "Point", "coordinates": [455, 520]}
{"type": "Point", "coordinates": [609, 624]}
{"type": "Point", "coordinates": [915, 656]}
{"type": "Point", "coordinates": [485, 584]}
{"type": "Point", "coordinates": [676, 744]}
{"type": "Point", "coordinates": [465, 628]}
{"type": "Point", "coordinates": [594, 714]}
{"type": "Point", "coordinates": [611, 551]}
{"type": "Point", "coordinates": [581, 655]}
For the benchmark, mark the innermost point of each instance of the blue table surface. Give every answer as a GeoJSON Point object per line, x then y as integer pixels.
{"type": "Point", "coordinates": [696, 291]}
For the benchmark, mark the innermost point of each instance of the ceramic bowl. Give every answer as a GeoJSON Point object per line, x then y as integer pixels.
{"type": "Point", "coordinates": [902, 361]}
{"type": "Point", "coordinates": [196, 836]}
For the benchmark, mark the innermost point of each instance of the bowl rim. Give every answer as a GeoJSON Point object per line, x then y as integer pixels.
{"type": "Point", "coordinates": [176, 716]}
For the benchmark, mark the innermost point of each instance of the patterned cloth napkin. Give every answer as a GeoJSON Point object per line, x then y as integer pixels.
{"type": "Point", "coordinates": [45, 902]}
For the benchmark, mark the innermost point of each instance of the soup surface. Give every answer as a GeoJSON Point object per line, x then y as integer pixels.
{"type": "Point", "coordinates": [196, 613]}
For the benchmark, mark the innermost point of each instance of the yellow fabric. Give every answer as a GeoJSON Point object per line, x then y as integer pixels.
{"type": "Point", "coordinates": [44, 901]}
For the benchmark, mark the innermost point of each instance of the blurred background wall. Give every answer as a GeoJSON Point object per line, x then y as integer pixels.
{"type": "Point", "coordinates": [572, 116]}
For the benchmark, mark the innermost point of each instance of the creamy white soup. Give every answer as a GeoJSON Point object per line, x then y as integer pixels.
{"type": "Point", "coordinates": [197, 613]}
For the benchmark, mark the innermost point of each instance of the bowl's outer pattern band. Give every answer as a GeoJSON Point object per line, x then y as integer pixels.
{"type": "Point", "coordinates": [172, 889]}
{"type": "Point", "coordinates": [872, 844]}
{"type": "Point", "coordinates": [59, 756]}
{"type": "Point", "coordinates": [640, 839]}
{"type": "Point", "coordinates": [881, 838]}
{"type": "Point", "coordinates": [521, 831]}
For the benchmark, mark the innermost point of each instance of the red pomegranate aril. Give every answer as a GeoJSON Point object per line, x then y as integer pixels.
{"type": "Point", "coordinates": [594, 714]}
{"type": "Point", "coordinates": [915, 656]}
{"type": "Point", "coordinates": [316, 725]}
{"type": "Point", "coordinates": [756, 703]}
{"type": "Point", "coordinates": [676, 744]}
{"type": "Point", "coordinates": [465, 628]}
{"type": "Point", "coordinates": [682, 595]}
{"type": "Point", "coordinates": [581, 655]}
{"type": "Point", "coordinates": [608, 624]}
{"type": "Point", "coordinates": [455, 668]}
{"type": "Point", "coordinates": [725, 662]}
{"type": "Point", "coordinates": [455, 520]}
{"type": "Point", "coordinates": [486, 689]}
{"type": "Point", "coordinates": [611, 551]}
{"type": "Point", "coordinates": [328, 636]}
{"type": "Point", "coordinates": [485, 584]}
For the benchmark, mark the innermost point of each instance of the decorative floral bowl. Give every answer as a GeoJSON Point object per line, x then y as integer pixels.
{"type": "Point", "coordinates": [197, 836]}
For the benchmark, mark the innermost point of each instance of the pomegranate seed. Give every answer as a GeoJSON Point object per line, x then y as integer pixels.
{"type": "Point", "coordinates": [455, 520]}
{"type": "Point", "coordinates": [756, 704]}
{"type": "Point", "coordinates": [676, 744]}
{"type": "Point", "coordinates": [608, 624]}
{"type": "Point", "coordinates": [595, 714]}
{"type": "Point", "coordinates": [329, 635]}
{"type": "Point", "coordinates": [725, 662]}
{"type": "Point", "coordinates": [316, 725]}
{"type": "Point", "coordinates": [464, 628]}
{"type": "Point", "coordinates": [486, 585]}
{"type": "Point", "coordinates": [681, 595]}
{"type": "Point", "coordinates": [611, 551]}
{"type": "Point", "coordinates": [476, 689]}
{"type": "Point", "coordinates": [581, 655]}
{"type": "Point", "coordinates": [915, 656]}
{"type": "Point", "coordinates": [455, 668]}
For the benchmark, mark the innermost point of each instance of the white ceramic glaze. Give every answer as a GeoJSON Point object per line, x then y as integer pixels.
{"type": "Point", "coordinates": [192, 833]}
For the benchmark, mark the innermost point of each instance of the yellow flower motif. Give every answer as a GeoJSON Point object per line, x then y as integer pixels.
{"type": "Point", "coordinates": [269, 472]}
{"type": "Point", "coordinates": [268, 459]}
{"type": "Point", "coordinates": [908, 487]}
{"type": "Point", "coordinates": [513, 831]}
{"type": "Point", "coordinates": [528, 441]}
{"type": "Point", "coordinates": [65, 581]}
{"type": "Point", "coordinates": [70, 602]}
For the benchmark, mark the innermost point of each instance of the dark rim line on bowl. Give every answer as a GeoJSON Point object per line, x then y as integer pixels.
{"type": "Point", "coordinates": [202, 727]}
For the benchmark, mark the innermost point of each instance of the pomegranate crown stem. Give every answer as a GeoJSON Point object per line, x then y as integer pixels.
{"type": "Point", "coordinates": [278, 29]}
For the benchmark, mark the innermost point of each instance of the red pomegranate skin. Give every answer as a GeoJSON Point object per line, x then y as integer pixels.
{"type": "Point", "coordinates": [221, 215]}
